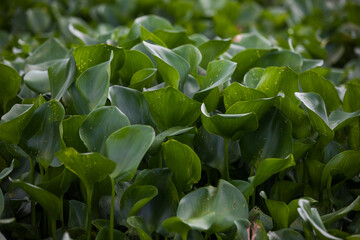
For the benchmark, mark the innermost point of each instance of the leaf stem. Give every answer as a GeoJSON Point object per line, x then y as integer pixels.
{"type": "Point", "coordinates": [88, 217]}
{"type": "Point", "coordinates": [53, 227]}
{"type": "Point", "coordinates": [32, 179]}
{"type": "Point", "coordinates": [226, 167]}
{"type": "Point", "coordinates": [112, 209]}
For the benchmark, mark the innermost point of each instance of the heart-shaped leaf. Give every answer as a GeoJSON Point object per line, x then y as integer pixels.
{"type": "Point", "coordinates": [143, 78]}
{"type": "Point", "coordinates": [210, 50]}
{"type": "Point", "coordinates": [132, 103]}
{"type": "Point", "coordinates": [10, 80]}
{"type": "Point", "coordinates": [126, 147]}
{"type": "Point", "coordinates": [191, 54]}
{"type": "Point", "coordinates": [47, 200]}
{"type": "Point", "coordinates": [99, 125]}
{"type": "Point", "coordinates": [172, 67]}
{"type": "Point", "coordinates": [253, 77]}
{"type": "Point", "coordinates": [61, 76]}
{"type": "Point", "coordinates": [15, 121]}
{"type": "Point", "coordinates": [169, 107]}
{"type": "Point", "coordinates": [183, 162]}
{"type": "Point", "coordinates": [228, 125]}
{"type": "Point", "coordinates": [42, 143]}
{"type": "Point", "coordinates": [273, 138]}
{"type": "Point", "coordinates": [134, 62]}
{"type": "Point", "coordinates": [89, 167]}
{"type": "Point", "coordinates": [134, 198]}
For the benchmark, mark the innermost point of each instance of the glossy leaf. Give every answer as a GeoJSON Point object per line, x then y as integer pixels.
{"type": "Point", "coordinates": [237, 92]}
{"type": "Point", "coordinates": [282, 58]}
{"type": "Point", "coordinates": [228, 125]}
{"type": "Point", "coordinates": [212, 49]}
{"type": "Point", "coordinates": [47, 200]}
{"type": "Point", "coordinates": [61, 76]}
{"type": "Point", "coordinates": [346, 162]}
{"type": "Point", "coordinates": [93, 86]}
{"type": "Point", "coordinates": [132, 103]}
{"type": "Point", "coordinates": [163, 205]}
{"type": "Point", "coordinates": [126, 147]}
{"type": "Point", "coordinates": [169, 107]}
{"type": "Point", "coordinates": [285, 234]}
{"type": "Point", "coordinates": [99, 125]}
{"type": "Point", "coordinates": [15, 121]}
{"type": "Point", "coordinates": [279, 212]}
{"type": "Point", "coordinates": [253, 77]}
{"type": "Point", "coordinates": [350, 103]}
{"type": "Point", "coordinates": [134, 62]}
{"type": "Point", "coordinates": [70, 134]}
{"type": "Point", "coordinates": [135, 198]}
{"type": "Point", "coordinates": [271, 166]}
{"type": "Point", "coordinates": [89, 167]}
{"type": "Point", "coordinates": [10, 80]}
{"type": "Point", "coordinates": [6, 171]}
{"type": "Point", "coordinates": [279, 79]}
{"type": "Point", "coordinates": [143, 78]}
{"type": "Point", "coordinates": [139, 224]}
{"type": "Point", "coordinates": [42, 143]}
{"type": "Point", "coordinates": [213, 209]}
{"type": "Point", "coordinates": [273, 139]}
{"type": "Point", "coordinates": [183, 162]}
{"type": "Point", "coordinates": [312, 82]}
{"type": "Point", "coordinates": [38, 81]}
{"type": "Point", "coordinates": [172, 67]}
{"type": "Point", "coordinates": [246, 60]}
{"type": "Point", "coordinates": [191, 54]}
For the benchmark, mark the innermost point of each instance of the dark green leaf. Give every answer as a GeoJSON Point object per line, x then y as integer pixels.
{"type": "Point", "coordinates": [212, 49]}
{"type": "Point", "coordinates": [10, 80]}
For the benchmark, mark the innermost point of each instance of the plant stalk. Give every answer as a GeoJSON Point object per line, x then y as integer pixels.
{"type": "Point", "coordinates": [32, 179]}
{"type": "Point", "coordinates": [88, 217]}
{"type": "Point", "coordinates": [112, 209]}
{"type": "Point", "coordinates": [227, 173]}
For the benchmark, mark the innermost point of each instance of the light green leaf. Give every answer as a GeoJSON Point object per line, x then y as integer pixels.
{"type": "Point", "coordinates": [38, 81]}
{"type": "Point", "coordinates": [10, 81]}
{"type": "Point", "coordinates": [212, 49]}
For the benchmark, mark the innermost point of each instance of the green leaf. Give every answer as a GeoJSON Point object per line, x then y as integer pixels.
{"type": "Point", "coordinates": [339, 119]}
{"type": "Point", "coordinates": [139, 224]}
{"type": "Point", "coordinates": [331, 217]}
{"type": "Point", "coordinates": [346, 162]}
{"type": "Point", "coordinates": [163, 205]}
{"type": "Point", "coordinates": [132, 103]}
{"type": "Point", "coordinates": [191, 54]}
{"type": "Point", "coordinates": [47, 200]}
{"type": "Point", "coordinates": [46, 55]}
{"type": "Point", "coordinates": [212, 49]}
{"type": "Point", "coordinates": [253, 76]}
{"type": "Point", "coordinates": [286, 233]}
{"type": "Point", "coordinates": [311, 217]}
{"type": "Point", "coordinates": [279, 79]}
{"type": "Point", "coordinates": [242, 229]}
{"type": "Point", "coordinates": [10, 80]}
{"type": "Point", "coordinates": [77, 214]}
{"type": "Point", "coordinates": [213, 209]}
{"type": "Point", "coordinates": [172, 38]}
{"type": "Point", "coordinates": [217, 73]}
{"type": "Point", "coordinates": [42, 143]}
{"type": "Point", "coordinates": [61, 76]}
{"type": "Point", "coordinates": [134, 62]}
{"type": "Point", "coordinates": [15, 121]}
{"type": "Point", "coordinates": [126, 147]}
{"type": "Point", "coordinates": [282, 58]}
{"type": "Point", "coordinates": [172, 67]}
{"type": "Point", "coordinates": [38, 81]}
{"type": "Point", "coordinates": [279, 212]}
{"type": "Point", "coordinates": [2, 202]}
{"type": "Point", "coordinates": [135, 198]}
{"type": "Point", "coordinates": [89, 167]}
{"type": "Point", "coordinates": [183, 162]}
{"type": "Point", "coordinates": [143, 78]}
{"type": "Point", "coordinates": [258, 106]}
{"type": "Point", "coordinates": [169, 107]}
{"type": "Point", "coordinates": [317, 113]}
{"type": "Point", "coordinates": [70, 134]}
{"type": "Point", "coordinates": [273, 139]}
{"type": "Point", "coordinates": [60, 184]}
{"type": "Point", "coordinates": [87, 57]}
{"type": "Point", "coordinates": [246, 60]}
{"type": "Point", "coordinates": [104, 234]}
{"type": "Point", "coordinates": [228, 125]}
{"type": "Point", "coordinates": [175, 225]}
{"type": "Point", "coordinates": [350, 103]}
{"type": "Point", "coordinates": [93, 87]}
{"type": "Point", "coordinates": [271, 166]}
{"type": "Point", "coordinates": [237, 92]}
{"type": "Point", "coordinates": [312, 82]}
{"type": "Point", "coordinates": [6, 171]}
{"type": "Point", "coordinates": [99, 125]}
{"type": "Point", "coordinates": [174, 131]}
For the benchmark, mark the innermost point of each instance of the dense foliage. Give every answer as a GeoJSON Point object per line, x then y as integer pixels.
{"type": "Point", "coordinates": [180, 119]}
